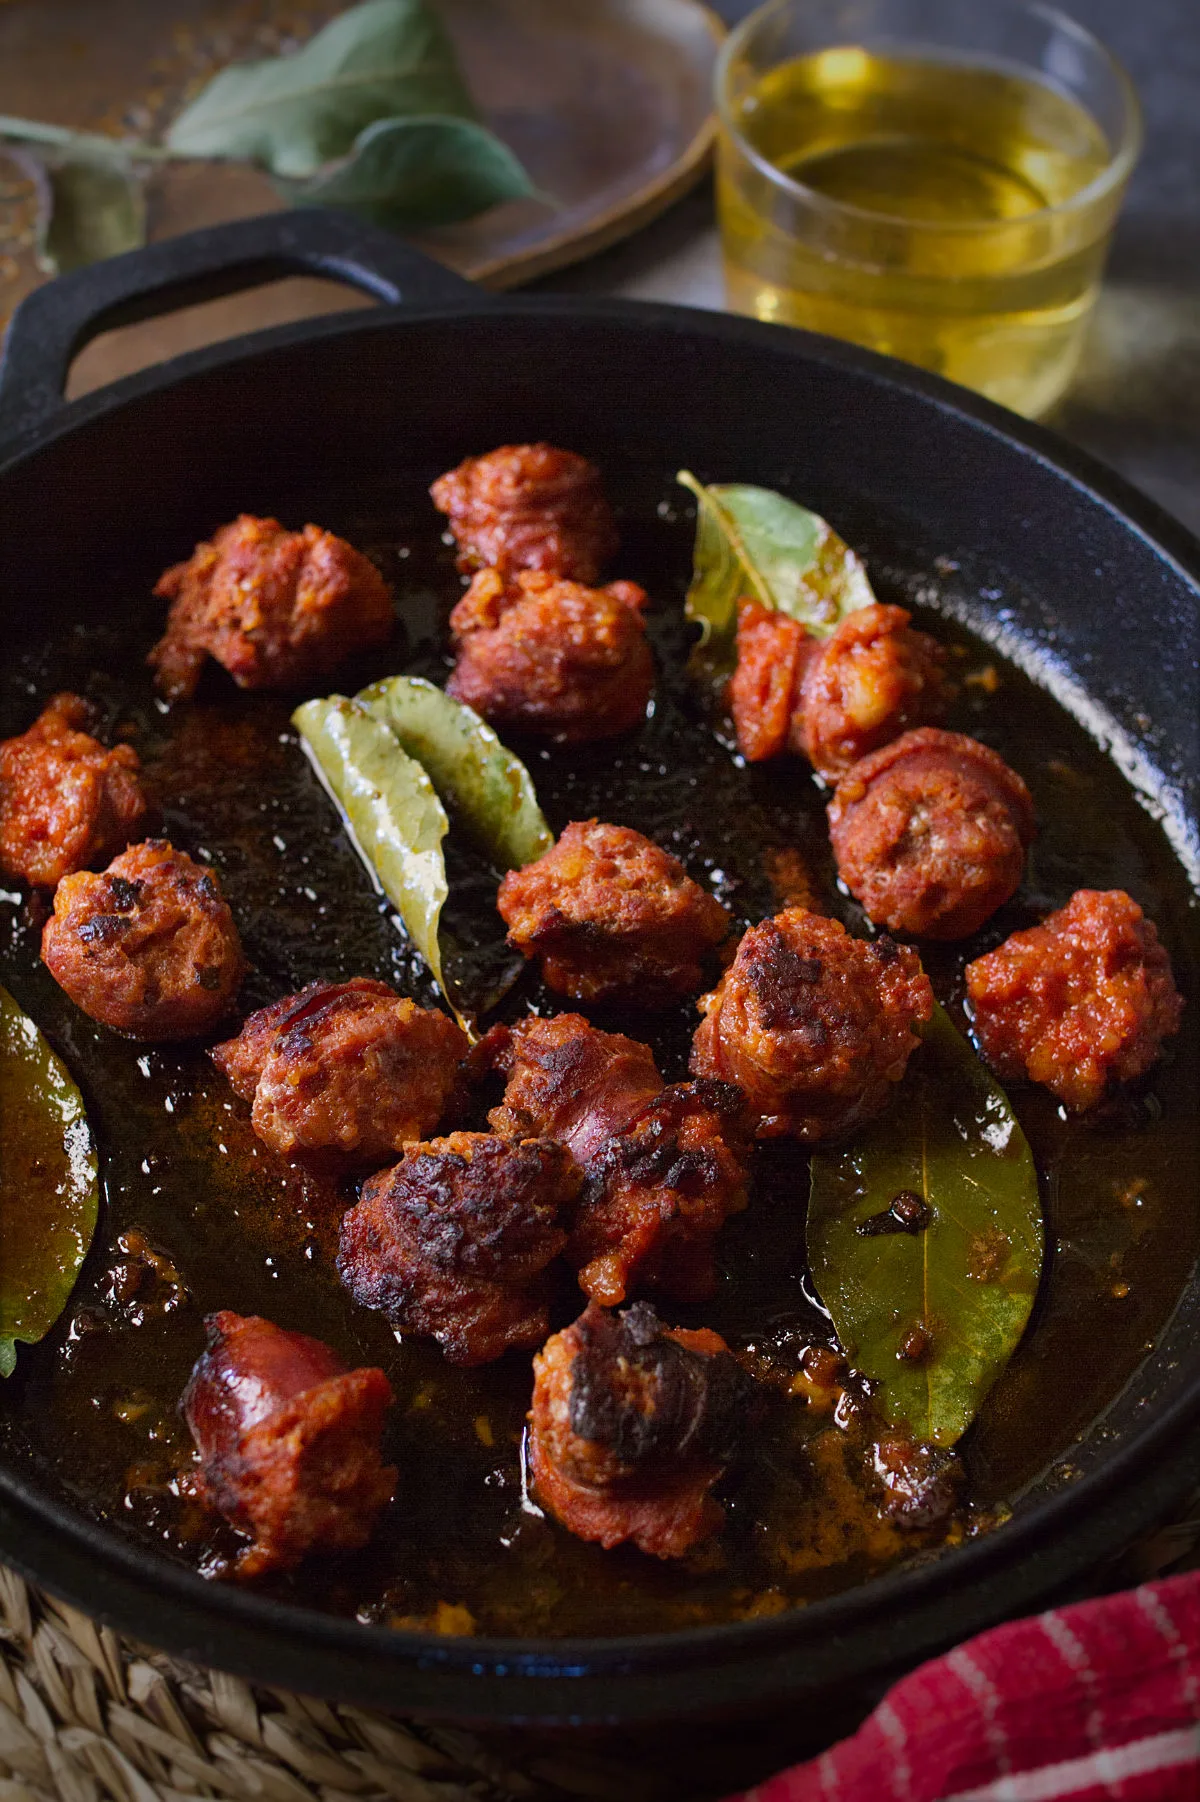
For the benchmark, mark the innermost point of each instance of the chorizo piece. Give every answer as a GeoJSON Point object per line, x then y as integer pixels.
{"type": "Point", "coordinates": [528, 506]}
{"type": "Point", "coordinates": [632, 1424]}
{"type": "Point", "coordinates": [344, 1069]}
{"type": "Point", "coordinates": [66, 803]}
{"type": "Point", "coordinates": [930, 833]}
{"type": "Point", "coordinates": [663, 1168]}
{"type": "Point", "coordinates": [1079, 1003]}
{"type": "Point", "coordinates": [612, 917]}
{"type": "Point", "coordinates": [836, 700]}
{"type": "Point", "coordinates": [545, 655]}
{"type": "Point", "coordinates": [872, 679]}
{"type": "Point", "coordinates": [289, 1441]}
{"type": "Point", "coordinates": [277, 609]}
{"type": "Point", "coordinates": [456, 1239]}
{"type": "Point", "coordinates": [149, 947]}
{"type": "Point", "coordinates": [812, 1025]}
{"type": "Point", "coordinates": [773, 650]}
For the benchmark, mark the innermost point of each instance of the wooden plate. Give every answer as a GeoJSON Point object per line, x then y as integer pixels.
{"type": "Point", "coordinates": [607, 102]}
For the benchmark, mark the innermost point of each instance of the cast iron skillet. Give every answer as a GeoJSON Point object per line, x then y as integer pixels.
{"type": "Point", "coordinates": [1085, 583]}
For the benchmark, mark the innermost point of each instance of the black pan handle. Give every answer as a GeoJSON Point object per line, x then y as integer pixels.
{"type": "Point", "coordinates": [51, 325]}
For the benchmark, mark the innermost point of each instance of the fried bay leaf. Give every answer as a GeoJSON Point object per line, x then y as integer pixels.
{"type": "Point", "coordinates": [468, 765]}
{"type": "Point", "coordinates": [49, 1190]}
{"type": "Point", "coordinates": [390, 810]}
{"type": "Point", "coordinates": [755, 543]}
{"type": "Point", "coordinates": [932, 1316]}
{"type": "Point", "coordinates": [291, 114]}
{"type": "Point", "coordinates": [419, 171]}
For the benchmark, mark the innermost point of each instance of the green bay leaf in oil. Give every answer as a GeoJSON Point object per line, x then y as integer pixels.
{"type": "Point", "coordinates": [757, 544]}
{"type": "Point", "coordinates": [390, 810]}
{"type": "Point", "coordinates": [49, 1190]}
{"type": "Point", "coordinates": [957, 1293]}
{"type": "Point", "coordinates": [486, 784]}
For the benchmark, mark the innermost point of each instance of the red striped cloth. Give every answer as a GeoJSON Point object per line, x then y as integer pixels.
{"type": "Point", "coordinates": [1099, 1702]}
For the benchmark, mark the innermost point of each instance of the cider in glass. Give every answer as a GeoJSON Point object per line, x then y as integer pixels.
{"type": "Point", "coordinates": [942, 190]}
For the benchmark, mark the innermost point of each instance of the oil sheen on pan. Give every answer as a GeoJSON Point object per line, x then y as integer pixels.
{"type": "Point", "coordinates": [200, 1216]}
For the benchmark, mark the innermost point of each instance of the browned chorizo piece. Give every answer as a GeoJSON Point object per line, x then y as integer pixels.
{"type": "Point", "coordinates": [663, 1168]}
{"type": "Point", "coordinates": [455, 1240]}
{"type": "Point", "coordinates": [873, 679]}
{"type": "Point", "coordinates": [1079, 1003]}
{"type": "Point", "coordinates": [277, 609]}
{"type": "Point", "coordinates": [528, 506]}
{"type": "Point", "coordinates": [632, 1425]}
{"type": "Point", "coordinates": [812, 1025]}
{"type": "Point", "coordinates": [773, 651]}
{"type": "Point", "coordinates": [344, 1069]}
{"type": "Point", "coordinates": [612, 917]}
{"type": "Point", "coordinates": [832, 701]}
{"type": "Point", "coordinates": [549, 656]}
{"type": "Point", "coordinates": [66, 802]}
{"type": "Point", "coordinates": [289, 1440]}
{"type": "Point", "coordinates": [149, 947]}
{"type": "Point", "coordinates": [930, 833]}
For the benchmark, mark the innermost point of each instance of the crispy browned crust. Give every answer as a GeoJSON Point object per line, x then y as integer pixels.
{"type": "Point", "coordinates": [149, 947]}
{"type": "Point", "coordinates": [455, 1241]}
{"type": "Point", "coordinates": [612, 917]}
{"type": "Point", "coordinates": [813, 1026]}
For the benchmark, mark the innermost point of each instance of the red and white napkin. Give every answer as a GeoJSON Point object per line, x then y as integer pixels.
{"type": "Point", "coordinates": [1099, 1702]}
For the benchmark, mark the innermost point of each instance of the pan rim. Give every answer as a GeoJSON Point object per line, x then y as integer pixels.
{"type": "Point", "coordinates": [567, 1662]}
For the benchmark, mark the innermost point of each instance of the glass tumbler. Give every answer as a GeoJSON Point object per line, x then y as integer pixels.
{"type": "Point", "coordinates": [933, 179]}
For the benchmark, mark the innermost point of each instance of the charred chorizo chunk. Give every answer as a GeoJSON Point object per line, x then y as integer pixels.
{"type": "Point", "coordinates": [348, 1069]}
{"type": "Point", "coordinates": [289, 1441]}
{"type": "Point", "coordinates": [528, 506]}
{"type": "Point", "coordinates": [66, 802]}
{"type": "Point", "coordinates": [454, 1241]}
{"type": "Point", "coordinates": [549, 656]}
{"type": "Point", "coordinates": [612, 917]}
{"type": "Point", "coordinates": [930, 833]}
{"type": "Point", "coordinates": [812, 1025]}
{"type": "Point", "coordinates": [277, 609]}
{"type": "Point", "coordinates": [1079, 1003]}
{"type": "Point", "coordinates": [149, 947]}
{"type": "Point", "coordinates": [632, 1425]}
{"type": "Point", "coordinates": [832, 701]}
{"type": "Point", "coordinates": [663, 1168]}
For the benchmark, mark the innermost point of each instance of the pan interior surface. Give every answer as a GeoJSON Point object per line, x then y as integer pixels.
{"type": "Point", "coordinates": [1012, 563]}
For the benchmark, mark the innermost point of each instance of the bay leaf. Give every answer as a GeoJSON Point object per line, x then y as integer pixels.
{"type": "Point", "coordinates": [408, 173]}
{"type": "Point", "coordinates": [291, 114]}
{"type": "Point", "coordinates": [95, 208]}
{"type": "Point", "coordinates": [468, 765]}
{"type": "Point", "coordinates": [966, 1283]}
{"type": "Point", "coordinates": [49, 1189]}
{"type": "Point", "coordinates": [755, 543]}
{"type": "Point", "coordinates": [390, 810]}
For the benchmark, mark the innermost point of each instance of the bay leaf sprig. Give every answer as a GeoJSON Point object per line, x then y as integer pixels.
{"type": "Point", "coordinates": [373, 114]}
{"type": "Point", "coordinates": [756, 544]}
{"type": "Point", "coordinates": [925, 1239]}
{"type": "Point", "coordinates": [49, 1185]}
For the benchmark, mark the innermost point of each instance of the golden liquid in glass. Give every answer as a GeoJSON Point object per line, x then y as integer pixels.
{"type": "Point", "coordinates": [922, 227]}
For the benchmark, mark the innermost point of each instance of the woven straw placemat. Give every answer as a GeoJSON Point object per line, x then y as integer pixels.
{"type": "Point", "coordinates": [88, 1716]}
